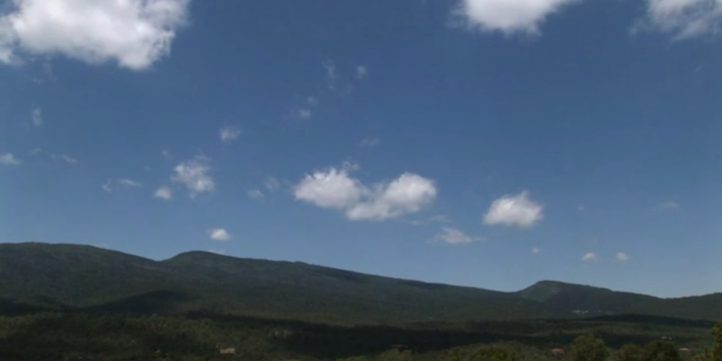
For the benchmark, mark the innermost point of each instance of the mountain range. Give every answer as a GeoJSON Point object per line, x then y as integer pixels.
{"type": "Point", "coordinates": [36, 277]}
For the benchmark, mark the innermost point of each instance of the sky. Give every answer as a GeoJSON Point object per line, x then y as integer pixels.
{"type": "Point", "coordinates": [488, 143]}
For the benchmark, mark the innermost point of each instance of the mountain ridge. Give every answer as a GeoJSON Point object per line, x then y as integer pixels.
{"type": "Point", "coordinates": [52, 276]}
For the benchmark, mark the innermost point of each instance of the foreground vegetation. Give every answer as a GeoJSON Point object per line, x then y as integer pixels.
{"type": "Point", "coordinates": [84, 336]}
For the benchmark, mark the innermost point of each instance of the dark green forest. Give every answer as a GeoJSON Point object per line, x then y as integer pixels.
{"type": "Point", "coordinates": [83, 336]}
{"type": "Point", "coordinates": [66, 302]}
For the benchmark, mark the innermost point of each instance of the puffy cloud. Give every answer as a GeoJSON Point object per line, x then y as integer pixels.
{"type": "Point", "coordinates": [194, 175]}
{"type": "Point", "coordinates": [454, 236]}
{"type": "Point", "coordinates": [37, 117]}
{"type": "Point", "coordinates": [9, 159]}
{"type": "Point", "coordinates": [229, 134]}
{"type": "Point", "coordinates": [164, 193]}
{"type": "Point", "coordinates": [336, 189]}
{"type": "Point", "coordinates": [590, 257]}
{"type": "Point", "coordinates": [509, 16]}
{"type": "Point", "coordinates": [330, 189]}
{"type": "Point", "coordinates": [623, 257]}
{"type": "Point", "coordinates": [407, 194]}
{"type": "Point", "coordinates": [219, 234]}
{"type": "Point", "coordinates": [133, 33]}
{"type": "Point", "coordinates": [514, 211]}
{"type": "Point", "coordinates": [685, 18]}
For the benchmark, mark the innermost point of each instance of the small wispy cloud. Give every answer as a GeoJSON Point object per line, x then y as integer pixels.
{"type": "Point", "coordinates": [623, 257]}
{"type": "Point", "coordinates": [535, 251]}
{"type": "Point", "coordinates": [683, 19]}
{"type": "Point", "coordinates": [36, 116]}
{"type": "Point", "coordinates": [107, 186]}
{"type": "Point", "coordinates": [124, 183]}
{"type": "Point", "coordinates": [331, 75]}
{"type": "Point", "coordinates": [64, 158]}
{"type": "Point", "coordinates": [362, 72]}
{"type": "Point", "coordinates": [255, 194]}
{"type": "Point", "coordinates": [229, 134]}
{"type": "Point", "coordinates": [590, 257]}
{"type": "Point", "coordinates": [669, 206]}
{"type": "Point", "coordinates": [370, 142]}
{"type": "Point", "coordinates": [129, 183]}
{"type": "Point", "coordinates": [455, 236]}
{"type": "Point", "coordinates": [164, 192]}
{"type": "Point", "coordinates": [304, 113]}
{"type": "Point", "coordinates": [9, 159]}
{"type": "Point", "coordinates": [219, 234]}
{"type": "Point", "coordinates": [272, 184]}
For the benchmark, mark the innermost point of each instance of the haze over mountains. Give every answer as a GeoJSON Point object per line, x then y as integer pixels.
{"type": "Point", "coordinates": [72, 277]}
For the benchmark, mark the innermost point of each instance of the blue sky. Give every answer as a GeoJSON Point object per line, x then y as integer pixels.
{"type": "Point", "coordinates": [490, 143]}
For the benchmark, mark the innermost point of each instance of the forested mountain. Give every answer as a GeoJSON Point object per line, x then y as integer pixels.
{"type": "Point", "coordinates": [70, 277]}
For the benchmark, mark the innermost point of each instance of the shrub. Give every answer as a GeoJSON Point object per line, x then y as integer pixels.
{"type": "Point", "coordinates": [587, 348]}
{"type": "Point", "coordinates": [661, 351]}
{"type": "Point", "coordinates": [629, 353]}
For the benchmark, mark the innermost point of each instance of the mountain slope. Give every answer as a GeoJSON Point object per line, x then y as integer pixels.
{"type": "Point", "coordinates": [82, 277]}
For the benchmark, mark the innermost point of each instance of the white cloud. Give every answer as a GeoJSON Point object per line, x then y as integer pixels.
{"type": "Point", "coordinates": [407, 194]}
{"type": "Point", "coordinates": [219, 234]}
{"type": "Point", "coordinates": [272, 184]}
{"type": "Point", "coordinates": [623, 257]}
{"type": "Point", "coordinates": [669, 206]}
{"type": "Point", "coordinates": [454, 236]}
{"type": "Point", "coordinates": [133, 33]}
{"type": "Point", "coordinates": [9, 159]}
{"type": "Point", "coordinates": [330, 189]}
{"type": "Point", "coordinates": [37, 117]}
{"type": "Point", "coordinates": [336, 189]}
{"type": "Point", "coordinates": [590, 257]}
{"type": "Point", "coordinates": [509, 16]}
{"type": "Point", "coordinates": [107, 186]}
{"type": "Point", "coordinates": [685, 18]}
{"type": "Point", "coordinates": [194, 175]}
{"type": "Point", "coordinates": [229, 134]}
{"type": "Point", "coordinates": [331, 75]}
{"type": "Point", "coordinates": [129, 183]}
{"type": "Point", "coordinates": [255, 194]}
{"type": "Point", "coordinates": [305, 113]}
{"type": "Point", "coordinates": [514, 211]}
{"type": "Point", "coordinates": [65, 158]}
{"type": "Point", "coordinates": [535, 251]}
{"type": "Point", "coordinates": [164, 193]}
{"type": "Point", "coordinates": [370, 142]}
